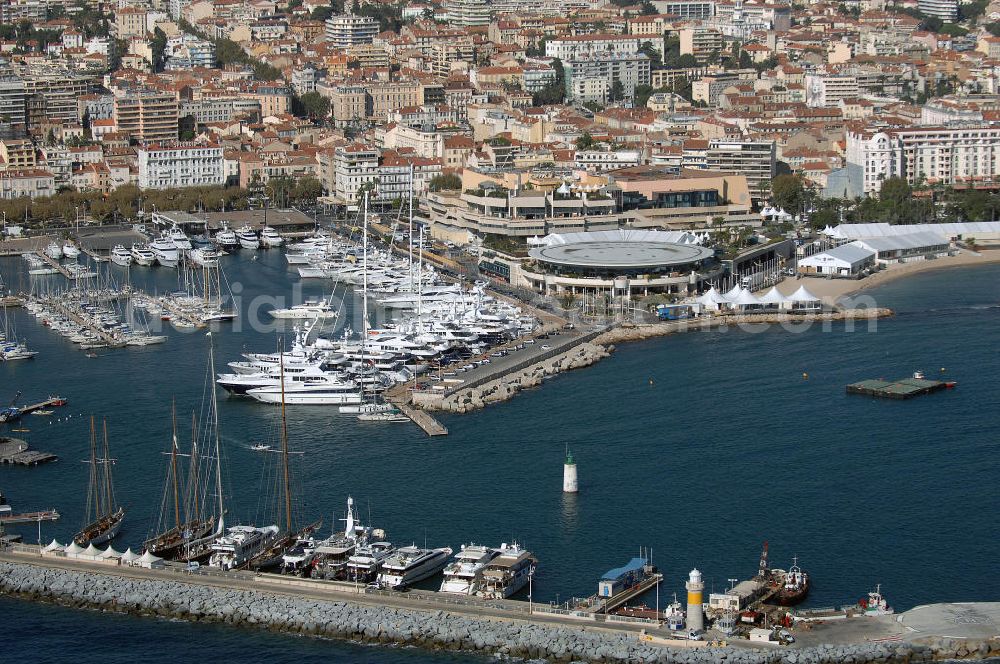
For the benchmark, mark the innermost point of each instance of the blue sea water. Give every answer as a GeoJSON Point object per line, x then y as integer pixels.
{"type": "Point", "coordinates": [699, 446]}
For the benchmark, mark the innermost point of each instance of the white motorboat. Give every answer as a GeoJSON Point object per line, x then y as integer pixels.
{"type": "Point", "coordinates": [166, 251]}
{"type": "Point", "coordinates": [367, 561]}
{"type": "Point", "coordinates": [54, 251]}
{"type": "Point", "coordinates": [410, 564]}
{"type": "Point", "coordinates": [239, 545]}
{"type": "Point", "coordinates": [464, 575]}
{"type": "Point", "coordinates": [204, 257]}
{"type": "Point", "coordinates": [70, 250]}
{"type": "Point", "coordinates": [298, 558]}
{"type": "Point", "coordinates": [269, 238]}
{"type": "Point", "coordinates": [142, 255]}
{"type": "Point", "coordinates": [247, 238]}
{"type": "Point", "coordinates": [121, 256]}
{"type": "Point", "coordinates": [226, 239]}
{"type": "Point", "coordinates": [182, 241]}
{"type": "Point", "coordinates": [508, 573]}
{"type": "Point", "coordinates": [364, 408]}
{"type": "Point", "coordinates": [309, 310]}
{"type": "Point", "coordinates": [10, 351]}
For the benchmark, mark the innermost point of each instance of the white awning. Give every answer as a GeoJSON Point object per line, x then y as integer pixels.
{"type": "Point", "coordinates": [73, 549]}
{"type": "Point", "coordinates": [110, 554]}
{"type": "Point", "coordinates": [772, 296]}
{"type": "Point", "coordinates": [733, 293]}
{"type": "Point", "coordinates": [129, 556]}
{"type": "Point", "coordinates": [712, 296]}
{"type": "Point", "coordinates": [746, 299]}
{"type": "Point", "coordinates": [91, 551]}
{"type": "Point", "coordinates": [53, 546]}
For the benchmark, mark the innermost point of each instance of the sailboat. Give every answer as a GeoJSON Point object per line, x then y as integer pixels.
{"type": "Point", "coordinates": [104, 517]}
{"type": "Point", "coordinates": [170, 543]}
{"type": "Point", "coordinates": [273, 553]}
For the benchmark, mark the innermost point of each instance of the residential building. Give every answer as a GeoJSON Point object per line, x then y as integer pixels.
{"type": "Point", "coordinates": [946, 10]}
{"type": "Point", "coordinates": [179, 165]}
{"type": "Point", "coordinates": [12, 109]}
{"type": "Point", "coordinates": [30, 183]}
{"type": "Point", "coordinates": [130, 22]}
{"type": "Point", "coordinates": [355, 169]}
{"type": "Point", "coordinates": [349, 30]}
{"type": "Point", "coordinates": [828, 90]}
{"type": "Point", "coordinates": [591, 77]}
{"type": "Point", "coordinates": [701, 42]}
{"type": "Point", "coordinates": [756, 160]}
{"type": "Point", "coordinates": [686, 9]}
{"type": "Point", "coordinates": [468, 13]}
{"type": "Point", "coordinates": [602, 45]}
{"type": "Point", "coordinates": [349, 104]}
{"type": "Point", "coordinates": [147, 115]}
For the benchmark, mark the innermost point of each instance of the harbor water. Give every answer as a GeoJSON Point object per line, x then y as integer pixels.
{"type": "Point", "coordinates": [698, 446]}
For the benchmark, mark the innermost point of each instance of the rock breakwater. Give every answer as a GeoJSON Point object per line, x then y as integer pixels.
{"type": "Point", "coordinates": [105, 590]}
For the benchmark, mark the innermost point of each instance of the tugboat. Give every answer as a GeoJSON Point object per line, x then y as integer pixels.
{"type": "Point", "coordinates": [875, 605]}
{"type": "Point", "coordinates": [795, 588]}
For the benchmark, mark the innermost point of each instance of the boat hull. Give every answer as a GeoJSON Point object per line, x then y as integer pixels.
{"type": "Point", "coordinates": [101, 531]}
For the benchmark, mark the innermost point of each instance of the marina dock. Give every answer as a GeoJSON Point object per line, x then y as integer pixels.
{"type": "Point", "coordinates": [905, 388]}
{"type": "Point", "coordinates": [421, 418]}
{"type": "Point", "coordinates": [28, 517]}
{"type": "Point", "coordinates": [597, 604]}
{"type": "Point", "coordinates": [88, 324]}
{"type": "Point", "coordinates": [15, 452]}
{"type": "Point", "coordinates": [180, 313]}
{"type": "Point", "coordinates": [56, 265]}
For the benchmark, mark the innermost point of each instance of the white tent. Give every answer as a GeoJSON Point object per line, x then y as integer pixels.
{"type": "Point", "coordinates": [129, 558]}
{"type": "Point", "coordinates": [110, 554]}
{"type": "Point", "coordinates": [73, 550]}
{"type": "Point", "coordinates": [711, 299]}
{"type": "Point", "coordinates": [150, 561]}
{"type": "Point", "coordinates": [772, 297]}
{"type": "Point", "coordinates": [803, 299]}
{"type": "Point", "coordinates": [733, 293]}
{"type": "Point", "coordinates": [91, 552]}
{"type": "Point", "coordinates": [745, 300]}
{"type": "Point", "coordinates": [53, 547]}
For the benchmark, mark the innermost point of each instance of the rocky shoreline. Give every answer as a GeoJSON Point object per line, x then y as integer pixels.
{"type": "Point", "coordinates": [429, 629]}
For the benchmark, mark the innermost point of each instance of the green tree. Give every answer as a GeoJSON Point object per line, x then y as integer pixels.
{"type": "Point", "coordinates": [787, 192]}
{"type": "Point", "coordinates": [894, 192]}
{"type": "Point", "coordinates": [313, 105]}
{"type": "Point", "coordinates": [617, 91]}
{"type": "Point", "coordinates": [650, 51]}
{"type": "Point", "coordinates": [158, 44]}
{"type": "Point", "coordinates": [585, 141]}
{"type": "Point", "coordinates": [445, 181]}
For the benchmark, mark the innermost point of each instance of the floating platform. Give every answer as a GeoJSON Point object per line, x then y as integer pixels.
{"type": "Point", "coordinates": [15, 452]}
{"type": "Point", "coordinates": [905, 388]}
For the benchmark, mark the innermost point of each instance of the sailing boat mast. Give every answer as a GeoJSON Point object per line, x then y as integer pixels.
{"type": "Point", "coordinates": [284, 442]}
{"type": "Point", "coordinates": [195, 488]}
{"type": "Point", "coordinates": [93, 492]}
{"type": "Point", "coordinates": [173, 464]}
{"type": "Point", "coordinates": [364, 294]}
{"type": "Point", "coordinates": [410, 233]}
{"type": "Point", "coordinates": [215, 425]}
{"type": "Point", "coordinates": [109, 496]}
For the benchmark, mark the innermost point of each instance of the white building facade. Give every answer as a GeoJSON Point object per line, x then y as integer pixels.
{"type": "Point", "coordinates": [169, 167]}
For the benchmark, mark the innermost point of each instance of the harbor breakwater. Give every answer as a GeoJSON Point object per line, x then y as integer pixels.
{"type": "Point", "coordinates": [597, 346]}
{"type": "Point", "coordinates": [372, 623]}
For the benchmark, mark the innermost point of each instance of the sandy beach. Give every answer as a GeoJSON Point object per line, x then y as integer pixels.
{"type": "Point", "coordinates": [833, 290]}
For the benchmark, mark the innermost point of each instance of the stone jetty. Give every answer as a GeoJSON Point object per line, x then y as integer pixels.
{"type": "Point", "coordinates": [436, 629]}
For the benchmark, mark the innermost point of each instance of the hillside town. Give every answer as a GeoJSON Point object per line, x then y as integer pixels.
{"type": "Point", "coordinates": [507, 120]}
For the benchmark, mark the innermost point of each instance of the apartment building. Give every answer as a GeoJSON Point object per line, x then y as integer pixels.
{"type": "Point", "coordinates": [147, 115]}
{"type": "Point", "coordinates": [756, 160]}
{"type": "Point", "coordinates": [180, 165]}
{"type": "Point", "coordinates": [130, 22]}
{"type": "Point", "coordinates": [686, 9]}
{"type": "Point", "coordinates": [30, 183]}
{"type": "Point", "coordinates": [12, 110]}
{"type": "Point", "coordinates": [828, 90]}
{"type": "Point", "coordinates": [937, 155]}
{"type": "Point", "coordinates": [17, 154]}
{"type": "Point", "coordinates": [386, 97]}
{"type": "Point", "coordinates": [567, 48]}
{"type": "Point", "coordinates": [591, 77]}
{"type": "Point", "coordinates": [354, 167]}
{"type": "Point", "coordinates": [348, 104]}
{"type": "Point", "coordinates": [701, 42]}
{"type": "Point", "coordinates": [468, 13]}
{"type": "Point", "coordinates": [349, 30]}
{"type": "Point", "coordinates": [946, 10]}
{"type": "Point", "coordinates": [206, 111]}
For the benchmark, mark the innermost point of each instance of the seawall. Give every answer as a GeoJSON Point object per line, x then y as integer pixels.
{"type": "Point", "coordinates": [110, 590]}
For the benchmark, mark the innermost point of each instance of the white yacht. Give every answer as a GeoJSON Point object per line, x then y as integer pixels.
{"type": "Point", "coordinates": [70, 250]}
{"type": "Point", "coordinates": [182, 241]}
{"type": "Point", "coordinates": [54, 251]}
{"type": "Point", "coordinates": [332, 553]}
{"type": "Point", "coordinates": [410, 564]}
{"type": "Point", "coordinates": [427, 297]}
{"type": "Point", "coordinates": [508, 573]}
{"type": "Point", "coordinates": [121, 256]}
{"type": "Point", "coordinates": [297, 559]}
{"type": "Point", "coordinates": [166, 252]}
{"type": "Point", "coordinates": [329, 392]}
{"type": "Point", "coordinates": [247, 238]}
{"type": "Point", "coordinates": [204, 257]}
{"type": "Point", "coordinates": [464, 575]}
{"type": "Point", "coordinates": [367, 560]}
{"type": "Point", "coordinates": [11, 350]}
{"type": "Point", "coordinates": [142, 255]}
{"type": "Point", "coordinates": [269, 238]}
{"type": "Point", "coordinates": [239, 545]}
{"type": "Point", "coordinates": [226, 239]}
{"type": "Point", "coordinates": [308, 310]}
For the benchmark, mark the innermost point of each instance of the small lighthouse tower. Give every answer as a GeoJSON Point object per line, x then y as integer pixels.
{"type": "Point", "coordinates": [569, 474]}
{"type": "Point", "coordinates": [695, 587]}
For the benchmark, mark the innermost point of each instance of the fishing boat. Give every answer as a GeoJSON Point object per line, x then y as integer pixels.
{"type": "Point", "coordinates": [410, 564]}
{"type": "Point", "coordinates": [875, 604]}
{"type": "Point", "coordinates": [171, 542]}
{"type": "Point", "coordinates": [795, 587]}
{"type": "Point", "coordinates": [104, 515]}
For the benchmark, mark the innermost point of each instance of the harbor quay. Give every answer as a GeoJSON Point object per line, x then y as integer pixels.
{"type": "Point", "coordinates": [515, 629]}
